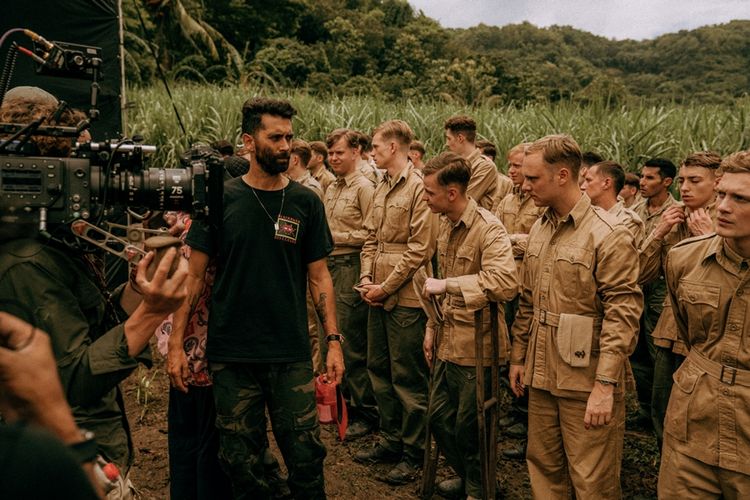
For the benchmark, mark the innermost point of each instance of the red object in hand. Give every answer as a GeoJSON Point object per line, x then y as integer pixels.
{"type": "Point", "coordinates": [331, 404]}
{"type": "Point", "coordinates": [111, 471]}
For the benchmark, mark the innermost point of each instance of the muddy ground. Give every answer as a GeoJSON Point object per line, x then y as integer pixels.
{"type": "Point", "coordinates": [146, 396]}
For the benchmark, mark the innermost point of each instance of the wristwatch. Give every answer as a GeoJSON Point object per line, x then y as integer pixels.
{"type": "Point", "coordinates": [335, 337]}
{"type": "Point", "coordinates": [607, 382]}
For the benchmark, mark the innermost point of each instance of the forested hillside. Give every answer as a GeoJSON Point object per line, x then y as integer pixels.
{"type": "Point", "coordinates": [385, 48]}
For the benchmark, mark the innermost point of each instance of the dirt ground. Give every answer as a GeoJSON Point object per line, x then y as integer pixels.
{"type": "Point", "coordinates": [146, 396]}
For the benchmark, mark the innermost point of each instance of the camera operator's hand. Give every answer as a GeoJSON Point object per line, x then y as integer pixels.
{"type": "Point", "coordinates": [30, 387]}
{"type": "Point", "coordinates": [162, 295]}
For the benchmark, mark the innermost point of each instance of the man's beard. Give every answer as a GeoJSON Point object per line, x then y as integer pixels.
{"type": "Point", "coordinates": [272, 164]}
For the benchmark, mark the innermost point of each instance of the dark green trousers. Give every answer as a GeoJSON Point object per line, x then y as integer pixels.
{"type": "Point", "coordinates": [399, 377]}
{"type": "Point", "coordinates": [642, 359]}
{"type": "Point", "coordinates": [242, 392]}
{"type": "Point", "coordinates": [667, 362]}
{"type": "Point", "coordinates": [351, 315]}
{"type": "Point", "coordinates": [453, 420]}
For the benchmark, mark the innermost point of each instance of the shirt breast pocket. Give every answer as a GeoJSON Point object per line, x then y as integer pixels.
{"type": "Point", "coordinates": [397, 212]}
{"type": "Point", "coordinates": [465, 256]}
{"type": "Point", "coordinates": [701, 301]}
{"type": "Point", "coordinates": [574, 267]}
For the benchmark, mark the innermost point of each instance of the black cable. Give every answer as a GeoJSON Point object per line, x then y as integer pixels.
{"type": "Point", "coordinates": [158, 68]}
{"type": "Point", "coordinates": [8, 68]}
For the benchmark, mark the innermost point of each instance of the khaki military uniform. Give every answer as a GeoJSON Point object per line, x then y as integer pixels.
{"type": "Point", "coordinates": [518, 213]}
{"type": "Point", "coordinates": [483, 182]}
{"type": "Point", "coordinates": [370, 171]}
{"type": "Point", "coordinates": [654, 295]}
{"type": "Point", "coordinates": [707, 427]}
{"type": "Point", "coordinates": [670, 350]}
{"type": "Point", "coordinates": [504, 188]}
{"type": "Point", "coordinates": [347, 202]}
{"type": "Point", "coordinates": [400, 240]}
{"type": "Point", "coordinates": [577, 322]}
{"type": "Point", "coordinates": [476, 259]}
{"type": "Point", "coordinates": [630, 220]}
{"type": "Point", "coordinates": [324, 176]}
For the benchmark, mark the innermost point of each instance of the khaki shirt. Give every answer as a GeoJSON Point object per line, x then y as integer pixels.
{"type": "Point", "coordinates": [483, 182]}
{"type": "Point", "coordinates": [401, 234]}
{"type": "Point", "coordinates": [370, 171]}
{"type": "Point", "coordinates": [504, 188]}
{"type": "Point", "coordinates": [476, 258]}
{"type": "Point", "coordinates": [580, 303]}
{"type": "Point", "coordinates": [650, 220]}
{"type": "Point", "coordinates": [707, 416]}
{"type": "Point", "coordinates": [653, 256]}
{"type": "Point", "coordinates": [324, 176]}
{"type": "Point", "coordinates": [309, 182]}
{"type": "Point", "coordinates": [347, 202]}
{"type": "Point", "coordinates": [630, 220]}
{"type": "Point", "coordinates": [518, 213]}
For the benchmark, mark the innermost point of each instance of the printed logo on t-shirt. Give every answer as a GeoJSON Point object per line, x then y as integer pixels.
{"type": "Point", "coordinates": [288, 229]}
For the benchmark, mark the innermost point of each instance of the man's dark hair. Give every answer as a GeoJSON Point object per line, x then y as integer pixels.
{"type": "Point", "coordinates": [365, 142]}
{"type": "Point", "coordinates": [633, 180]}
{"type": "Point", "coordinates": [666, 167]}
{"type": "Point", "coordinates": [236, 166]}
{"type": "Point", "coordinates": [450, 168]}
{"type": "Point", "coordinates": [462, 124]}
{"type": "Point", "coordinates": [224, 147]}
{"type": "Point", "coordinates": [417, 146]}
{"type": "Point", "coordinates": [254, 109]}
{"type": "Point", "coordinates": [705, 159]}
{"type": "Point", "coordinates": [614, 171]}
{"type": "Point", "coordinates": [487, 149]}
{"type": "Point", "coordinates": [590, 158]}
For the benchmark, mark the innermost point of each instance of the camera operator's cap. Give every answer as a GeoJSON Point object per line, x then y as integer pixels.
{"type": "Point", "coordinates": [28, 93]}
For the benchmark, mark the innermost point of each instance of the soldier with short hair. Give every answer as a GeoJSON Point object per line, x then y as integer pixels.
{"type": "Point", "coordinates": [460, 137]}
{"type": "Point", "coordinates": [317, 165]}
{"type": "Point", "coordinates": [400, 239]}
{"type": "Point", "coordinates": [577, 323]}
{"type": "Point", "coordinates": [416, 154]}
{"type": "Point", "coordinates": [476, 266]}
{"type": "Point", "coordinates": [706, 451]}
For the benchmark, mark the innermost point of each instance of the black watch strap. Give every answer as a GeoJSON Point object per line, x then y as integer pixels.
{"type": "Point", "coordinates": [335, 337]}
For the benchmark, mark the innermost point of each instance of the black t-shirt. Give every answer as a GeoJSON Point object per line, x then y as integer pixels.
{"type": "Point", "coordinates": [258, 307]}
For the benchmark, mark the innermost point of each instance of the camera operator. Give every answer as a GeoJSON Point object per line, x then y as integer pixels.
{"type": "Point", "coordinates": [63, 286]}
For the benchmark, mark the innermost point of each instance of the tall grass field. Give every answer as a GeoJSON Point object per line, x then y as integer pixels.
{"type": "Point", "coordinates": [625, 134]}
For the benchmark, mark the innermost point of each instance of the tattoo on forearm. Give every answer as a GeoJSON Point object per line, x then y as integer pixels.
{"type": "Point", "coordinates": [320, 308]}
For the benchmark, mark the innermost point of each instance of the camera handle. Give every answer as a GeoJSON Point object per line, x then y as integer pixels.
{"type": "Point", "coordinates": [127, 248]}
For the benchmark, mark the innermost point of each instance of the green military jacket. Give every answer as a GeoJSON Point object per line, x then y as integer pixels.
{"type": "Point", "coordinates": [59, 291]}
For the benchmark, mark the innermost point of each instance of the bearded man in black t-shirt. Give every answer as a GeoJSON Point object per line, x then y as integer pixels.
{"type": "Point", "coordinates": [273, 240]}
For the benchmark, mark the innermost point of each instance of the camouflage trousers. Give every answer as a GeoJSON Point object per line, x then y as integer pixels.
{"type": "Point", "coordinates": [242, 392]}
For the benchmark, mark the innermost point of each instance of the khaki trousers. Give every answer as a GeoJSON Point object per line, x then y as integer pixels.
{"type": "Point", "coordinates": [683, 477]}
{"type": "Point", "coordinates": [563, 457]}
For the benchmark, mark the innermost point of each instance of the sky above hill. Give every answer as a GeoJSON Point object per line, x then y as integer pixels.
{"type": "Point", "coordinates": [619, 19]}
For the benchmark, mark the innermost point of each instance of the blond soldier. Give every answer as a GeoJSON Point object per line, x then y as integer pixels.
{"type": "Point", "coordinates": [517, 210]}
{"type": "Point", "coordinates": [657, 175]}
{"type": "Point", "coordinates": [317, 165]}
{"type": "Point", "coordinates": [697, 179]}
{"type": "Point", "coordinates": [476, 262]}
{"type": "Point", "coordinates": [706, 450]}
{"type": "Point", "coordinates": [601, 183]}
{"type": "Point", "coordinates": [347, 202]}
{"type": "Point", "coordinates": [460, 134]}
{"type": "Point", "coordinates": [400, 240]}
{"type": "Point", "coordinates": [576, 325]}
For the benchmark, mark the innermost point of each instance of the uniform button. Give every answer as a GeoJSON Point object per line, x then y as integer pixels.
{"type": "Point", "coordinates": [691, 296]}
{"type": "Point", "coordinates": [733, 327]}
{"type": "Point", "coordinates": [726, 392]}
{"type": "Point", "coordinates": [553, 242]}
{"type": "Point", "coordinates": [739, 293]}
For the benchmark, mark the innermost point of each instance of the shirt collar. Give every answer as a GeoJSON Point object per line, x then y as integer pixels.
{"type": "Point", "coordinates": [348, 178]}
{"type": "Point", "coordinates": [467, 216]}
{"type": "Point", "coordinates": [578, 212]}
{"type": "Point", "coordinates": [724, 255]}
{"type": "Point", "coordinates": [401, 175]}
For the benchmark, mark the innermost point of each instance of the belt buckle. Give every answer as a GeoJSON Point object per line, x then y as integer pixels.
{"type": "Point", "coordinates": [734, 375]}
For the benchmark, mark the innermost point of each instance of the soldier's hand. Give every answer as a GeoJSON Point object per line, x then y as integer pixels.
{"type": "Point", "coordinates": [164, 293]}
{"type": "Point", "coordinates": [334, 363]}
{"type": "Point", "coordinates": [599, 406]}
{"type": "Point", "coordinates": [700, 223]}
{"type": "Point", "coordinates": [428, 344]}
{"type": "Point", "coordinates": [177, 368]}
{"type": "Point", "coordinates": [375, 295]}
{"type": "Point", "coordinates": [434, 286]}
{"type": "Point", "coordinates": [671, 216]}
{"type": "Point", "coordinates": [516, 380]}
{"type": "Point", "coordinates": [362, 288]}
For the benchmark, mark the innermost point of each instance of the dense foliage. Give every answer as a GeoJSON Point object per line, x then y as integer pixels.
{"type": "Point", "coordinates": [627, 133]}
{"type": "Point", "coordinates": [383, 48]}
